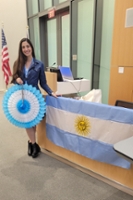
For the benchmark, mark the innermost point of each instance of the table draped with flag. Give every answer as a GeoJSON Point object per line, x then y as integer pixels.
{"type": "Point", "coordinates": [89, 129]}
{"type": "Point", "coordinates": [5, 58]}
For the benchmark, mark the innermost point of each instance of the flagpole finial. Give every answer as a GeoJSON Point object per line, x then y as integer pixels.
{"type": "Point", "coordinates": [2, 24]}
{"type": "Point", "coordinates": [27, 32]}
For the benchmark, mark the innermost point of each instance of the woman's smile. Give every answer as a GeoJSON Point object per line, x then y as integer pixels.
{"type": "Point", "coordinates": [26, 49]}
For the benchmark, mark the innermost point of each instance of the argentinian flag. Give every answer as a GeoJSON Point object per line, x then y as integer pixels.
{"type": "Point", "coordinates": [87, 128]}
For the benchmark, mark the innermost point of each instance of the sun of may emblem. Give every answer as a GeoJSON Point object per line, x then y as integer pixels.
{"type": "Point", "coordinates": [82, 125]}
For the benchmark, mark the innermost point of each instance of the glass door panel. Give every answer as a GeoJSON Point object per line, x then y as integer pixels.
{"type": "Point", "coordinates": [60, 1]}
{"type": "Point", "coordinates": [35, 35]}
{"type": "Point", "coordinates": [32, 7]}
{"type": "Point", "coordinates": [36, 38]}
{"type": "Point", "coordinates": [47, 4]}
{"type": "Point", "coordinates": [85, 38]}
{"type": "Point", "coordinates": [65, 25]}
{"type": "Point", "coordinates": [52, 42]}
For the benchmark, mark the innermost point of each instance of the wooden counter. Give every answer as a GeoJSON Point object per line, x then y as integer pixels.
{"type": "Point", "coordinates": [111, 172]}
{"type": "Point", "coordinates": [116, 174]}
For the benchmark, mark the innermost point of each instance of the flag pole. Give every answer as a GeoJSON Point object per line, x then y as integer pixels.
{"type": "Point", "coordinates": [27, 31]}
{"type": "Point", "coordinates": [2, 26]}
{"type": "Point", "coordinates": [5, 64]}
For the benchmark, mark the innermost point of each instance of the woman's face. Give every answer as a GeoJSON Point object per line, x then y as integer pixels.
{"type": "Point", "coordinates": [26, 49]}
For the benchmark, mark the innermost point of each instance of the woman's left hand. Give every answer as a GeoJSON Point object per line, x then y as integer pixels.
{"type": "Point", "coordinates": [53, 94]}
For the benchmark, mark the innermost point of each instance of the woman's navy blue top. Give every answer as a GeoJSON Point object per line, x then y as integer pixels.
{"type": "Point", "coordinates": [36, 75]}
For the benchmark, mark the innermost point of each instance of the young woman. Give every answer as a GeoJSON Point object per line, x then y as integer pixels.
{"type": "Point", "coordinates": [28, 70]}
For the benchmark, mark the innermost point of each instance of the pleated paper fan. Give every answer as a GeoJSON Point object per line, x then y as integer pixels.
{"type": "Point", "coordinates": [24, 106]}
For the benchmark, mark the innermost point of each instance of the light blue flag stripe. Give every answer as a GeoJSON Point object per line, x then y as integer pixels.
{"type": "Point", "coordinates": [96, 110]}
{"type": "Point", "coordinates": [89, 148]}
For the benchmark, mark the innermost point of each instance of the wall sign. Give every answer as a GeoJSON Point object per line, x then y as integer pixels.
{"type": "Point", "coordinates": [51, 13]}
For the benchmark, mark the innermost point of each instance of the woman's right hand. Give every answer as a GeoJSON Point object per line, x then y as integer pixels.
{"type": "Point", "coordinates": [19, 81]}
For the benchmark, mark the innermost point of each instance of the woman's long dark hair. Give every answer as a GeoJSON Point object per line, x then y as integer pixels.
{"type": "Point", "coordinates": [21, 60]}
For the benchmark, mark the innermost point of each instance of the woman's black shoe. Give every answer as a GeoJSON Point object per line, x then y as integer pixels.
{"type": "Point", "coordinates": [36, 150]}
{"type": "Point", "coordinates": [30, 148]}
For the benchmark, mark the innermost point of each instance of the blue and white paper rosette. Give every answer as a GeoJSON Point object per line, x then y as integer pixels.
{"type": "Point", "coordinates": [24, 106]}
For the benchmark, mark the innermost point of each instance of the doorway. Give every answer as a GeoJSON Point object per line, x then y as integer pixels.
{"type": "Point", "coordinates": [58, 40]}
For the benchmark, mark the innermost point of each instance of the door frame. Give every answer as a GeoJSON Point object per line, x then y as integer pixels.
{"type": "Point", "coordinates": [44, 36]}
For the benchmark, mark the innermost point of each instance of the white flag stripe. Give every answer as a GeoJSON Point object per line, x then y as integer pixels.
{"type": "Point", "coordinates": [6, 71]}
{"type": "Point", "coordinates": [103, 130]}
{"type": "Point", "coordinates": [5, 52]}
{"type": "Point", "coordinates": [4, 45]}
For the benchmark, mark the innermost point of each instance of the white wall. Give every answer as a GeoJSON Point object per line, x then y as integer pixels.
{"type": "Point", "coordinates": [13, 15]}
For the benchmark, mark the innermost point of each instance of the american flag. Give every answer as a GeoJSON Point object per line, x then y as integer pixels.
{"type": "Point", "coordinates": [5, 59]}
